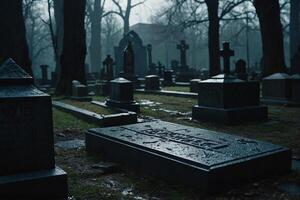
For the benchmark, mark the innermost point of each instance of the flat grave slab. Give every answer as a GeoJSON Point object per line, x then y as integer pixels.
{"type": "Point", "coordinates": [167, 93]}
{"type": "Point", "coordinates": [204, 159]}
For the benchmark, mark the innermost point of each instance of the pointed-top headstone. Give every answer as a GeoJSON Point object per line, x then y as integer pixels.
{"type": "Point", "coordinates": [12, 74]}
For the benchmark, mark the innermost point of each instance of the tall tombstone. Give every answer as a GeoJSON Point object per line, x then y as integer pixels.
{"type": "Point", "coordinates": [227, 99]}
{"type": "Point", "coordinates": [44, 73]}
{"type": "Point", "coordinates": [295, 63]}
{"type": "Point", "coordinates": [241, 70]}
{"type": "Point", "coordinates": [129, 64]}
{"type": "Point", "coordinates": [108, 68]}
{"type": "Point", "coordinates": [27, 169]}
{"type": "Point", "coordinates": [140, 61]}
{"type": "Point", "coordinates": [183, 47]}
{"type": "Point", "coordinates": [151, 65]}
{"type": "Point", "coordinates": [168, 78]}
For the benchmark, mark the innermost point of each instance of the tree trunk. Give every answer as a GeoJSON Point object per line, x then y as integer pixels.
{"type": "Point", "coordinates": [74, 46]}
{"type": "Point", "coordinates": [13, 42]}
{"type": "Point", "coordinates": [59, 22]}
{"type": "Point", "coordinates": [127, 17]}
{"type": "Point", "coordinates": [213, 37]}
{"type": "Point", "coordinates": [268, 12]}
{"type": "Point", "coordinates": [95, 45]}
{"type": "Point", "coordinates": [294, 29]}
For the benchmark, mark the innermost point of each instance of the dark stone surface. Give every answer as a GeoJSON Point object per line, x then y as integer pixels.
{"type": "Point", "coordinates": [152, 82]}
{"type": "Point", "coordinates": [296, 88]}
{"type": "Point", "coordinates": [121, 95]}
{"type": "Point", "coordinates": [277, 87]}
{"type": "Point", "coordinates": [226, 99]}
{"type": "Point", "coordinates": [108, 72]}
{"type": "Point", "coordinates": [102, 88]}
{"type": "Point", "coordinates": [194, 85]}
{"type": "Point", "coordinates": [26, 139]}
{"type": "Point", "coordinates": [208, 160]}
{"type": "Point", "coordinates": [46, 184]}
{"type": "Point", "coordinates": [80, 92]}
{"type": "Point", "coordinates": [241, 70]}
{"type": "Point", "coordinates": [44, 72]}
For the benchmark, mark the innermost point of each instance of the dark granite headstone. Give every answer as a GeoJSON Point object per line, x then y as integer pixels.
{"type": "Point", "coordinates": [296, 88]}
{"type": "Point", "coordinates": [183, 47]}
{"type": "Point", "coordinates": [108, 68]}
{"type": "Point", "coordinates": [203, 159]}
{"type": "Point", "coordinates": [168, 78]}
{"type": "Point", "coordinates": [140, 61]}
{"type": "Point", "coordinates": [227, 99]}
{"type": "Point", "coordinates": [121, 95]}
{"type": "Point", "coordinates": [27, 167]}
{"type": "Point", "coordinates": [80, 92]}
{"type": "Point", "coordinates": [152, 82]}
{"type": "Point", "coordinates": [151, 65]}
{"type": "Point", "coordinates": [194, 85]}
{"type": "Point", "coordinates": [277, 88]}
{"type": "Point", "coordinates": [129, 64]}
{"type": "Point", "coordinates": [240, 70]}
{"type": "Point", "coordinates": [44, 72]}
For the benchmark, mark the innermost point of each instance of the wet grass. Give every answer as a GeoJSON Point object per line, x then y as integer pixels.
{"type": "Point", "coordinates": [177, 88]}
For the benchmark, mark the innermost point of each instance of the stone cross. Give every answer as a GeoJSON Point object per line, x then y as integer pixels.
{"type": "Point", "coordinates": [128, 55]}
{"type": "Point", "coordinates": [183, 47]}
{"type": "Point", "coordinates": [108, 64]}
{"type": "Point", "coordinates": [226, 53]}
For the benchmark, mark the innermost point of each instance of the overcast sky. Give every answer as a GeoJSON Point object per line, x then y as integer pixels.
{"type": "Point", "coordinates": [142, 13]}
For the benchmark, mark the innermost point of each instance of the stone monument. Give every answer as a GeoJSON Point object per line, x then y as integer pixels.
{"type": "Point", "coordinates": [121, 95]}
{"type": "Point", "coordinates": [152, 82]}
{"type": "Point", "coordinates": [129, 65]}
{"type": "Point", "coordinates": [208, 161]}
{"type": "Point", "coordinates": [168, 78]}
{"type": "Point", "coordinates": [226, 99]}
{"type": "Point", "coordinates": [140, 61]}
{"type": "Point", "coordinates": [184, 74]}
{"type": "Point", "coordinates": [44, 73]}
{"type": "Point", "coordinates": [80, 92]}
{"type": "Point", "coordinates": [27, 169]}
{"type": "Point", "coordinates": [194, 85]}
{"type": "Point", "coordinates": [276, 89]}
{"type": "Point", "coordinates": [151, 65]}
{"type": "Point", "coordinates": [241, 70]}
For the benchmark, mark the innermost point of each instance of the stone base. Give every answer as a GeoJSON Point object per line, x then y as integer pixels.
{"type": "Point", "coordinates": [130, 106]}
{"type": "Point", "coordinates": [50, 184]}
{"type": "Point", "coordinates": [83, 99]}
{"type": "Point", "coordinates": [202, 159]}
{"type": "Point", "coordinates": [230, 116]}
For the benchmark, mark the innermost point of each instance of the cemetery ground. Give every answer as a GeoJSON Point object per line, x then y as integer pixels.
{"type": "Point", "coordinates": [91, 178]}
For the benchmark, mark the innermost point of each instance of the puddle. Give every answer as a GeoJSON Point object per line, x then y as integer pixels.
{"type": "Point", "coordinates": [296, 165]}
{"type": "Point", "coordinates": [71, 144]}
{"type": "Point", "coordinates": [290, 188]}
{"type": "Point", "coordinates": [148, 103]}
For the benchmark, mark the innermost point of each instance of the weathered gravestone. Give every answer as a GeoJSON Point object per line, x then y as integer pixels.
{"type": "Point", "coordinates": [44, 73]}
{"type": "Point", "coordinates": [241, 70]}
{"type": "Point", "coordinates": [194, 85]}
{"type": "Point", "coordinates": [207, 160]}
{"type": "Point", "coordinates": [184, 74]}
{"type": "Point", "coordinates": [27, 169]}
{"type": "Point", "coordinates": [277, 89]}
{"type": "Point", "coordinates": [152, 82]}
{"type": "Point", "coordinates": [140, 61]}
{"type": "Point", "coordinates": [151, 65]}
{"type": "Point", "coordinates": [168, 78]}
{"type": "Point", "coordinates": [129, 65]}
{"type": "Point", "coordinates": [121, 95]}
{"type": "Point", "coordinates": [226, 99]}
{"type": "Point", "coordinates": [296, 88]}
{"type": "Point", "coordinates": [108, 68]}
{"type": "Point", "coordinates": [80, 92]}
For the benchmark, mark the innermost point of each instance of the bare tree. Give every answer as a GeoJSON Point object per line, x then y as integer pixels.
{"type": "Point", "coordinates": [74, 46]}
{"type": "Point", "coordinates": [268, 12]}
{"type": "Point", "coordinates": [13, 34]}
{"type": "Point", "coordinates": [125, 13]}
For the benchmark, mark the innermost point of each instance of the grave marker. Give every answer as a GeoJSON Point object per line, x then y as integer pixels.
{"type": "Point", "coordinates": [27, 167]}
{"type": "Point", "coordinates": [207, 160]}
